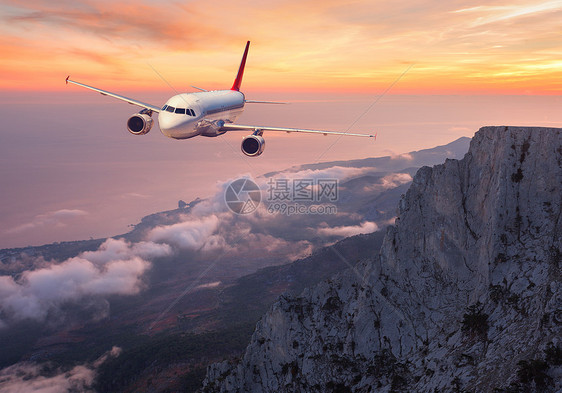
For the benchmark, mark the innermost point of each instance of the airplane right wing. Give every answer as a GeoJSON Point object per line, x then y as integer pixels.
{"type": "Point", "coordinates": [239, 127]}
{"type": "Point", "coordinates": [119, 97]}
{"type": "Point", "coordinates": [263, 102]}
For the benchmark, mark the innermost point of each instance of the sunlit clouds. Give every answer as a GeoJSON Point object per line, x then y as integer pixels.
{"type": "Point", "coordinates": [486, 14]}
{"type": "Point", "coordinates": [351, 230]}
{"type": "Point", "coordinates": [389, 181]}
{"type": "Point", "coordinates": [455, 47]}
{"type": "Point", "coordinates": [116, 268]}
{"type": "Point", "coordinates": [32, 377]}
{"type": "Point", "coordinates": [194, 233]}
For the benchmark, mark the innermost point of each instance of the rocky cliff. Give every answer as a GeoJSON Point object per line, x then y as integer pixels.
{"type": "Point", "coordinates": [464, 296]}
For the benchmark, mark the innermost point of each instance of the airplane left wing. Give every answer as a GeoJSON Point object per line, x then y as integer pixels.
{"type": "Point", "coordinates": [119, 97]}
{"type": "Point", "coordinates": [239, 127]}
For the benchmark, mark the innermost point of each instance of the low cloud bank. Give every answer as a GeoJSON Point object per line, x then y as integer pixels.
{"type": "Point", "coordinates": [116, 268]}
{"type": "Point", "coordinates": [58, 218]}
{"type": "Point", "coordinates": [193, 234]}
{"type": "Point", "coordinates": [31, 377]}
{"type": "Point", "coordinates": [346, 231]}
{"type": "Point", "coordinates": [388, 182]}
{"type": "Point", "coordinates": [334, 172]}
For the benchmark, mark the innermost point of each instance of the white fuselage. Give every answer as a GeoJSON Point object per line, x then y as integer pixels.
{"type": "Point", "coordinates": [202, 113]}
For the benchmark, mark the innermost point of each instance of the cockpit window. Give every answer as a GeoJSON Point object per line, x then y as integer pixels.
{"type": "Point", "coordinates": [181, 111]}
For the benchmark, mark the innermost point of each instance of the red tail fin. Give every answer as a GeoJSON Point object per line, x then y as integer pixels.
{"type": "Point", "coordinates": [238, 80]}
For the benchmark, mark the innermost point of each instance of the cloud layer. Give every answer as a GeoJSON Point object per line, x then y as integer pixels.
{"type": "Point", "coordinates": [351, 230]}
{"type": "Point", "coordinates": [455, 45]}
{"type": "Point", "coordinates": [388, 182]}
{"type": "Point", "coordinates": [51, 219]}
{"type": "Point", "coordinates": [31, 377]}
{"type": "Point", "coordinates": [27, 377]}
{"type": "Point", "coordinates": [40, 289]}
{"type": "Point", "coordinates": [193, 234]}
{"type": "Point", "coordinates": [116, 268]}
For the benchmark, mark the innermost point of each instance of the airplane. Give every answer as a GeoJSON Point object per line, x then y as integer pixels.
{"type": "Point", "coordinates": [205, 113]}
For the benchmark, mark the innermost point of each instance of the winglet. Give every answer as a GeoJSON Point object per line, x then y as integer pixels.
{"type": "Point", "coordinates": [66, 80]}
{"type": "Point", "coordinates": [238, 80]}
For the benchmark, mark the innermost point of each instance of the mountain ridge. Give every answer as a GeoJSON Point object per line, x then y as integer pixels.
{"type": "Point", "coordinates": [417, 158]}
{"type": "Point", "coordinates": [465, 295]}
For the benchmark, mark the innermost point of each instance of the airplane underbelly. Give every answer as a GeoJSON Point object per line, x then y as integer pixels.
{"type": "Point", "coordinates": [180, 135]}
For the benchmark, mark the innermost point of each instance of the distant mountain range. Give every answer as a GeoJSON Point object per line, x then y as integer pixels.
{"type": "Point", "coordinates": [183, 275]}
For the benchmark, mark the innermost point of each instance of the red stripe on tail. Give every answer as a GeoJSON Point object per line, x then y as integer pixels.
{"type": "Point", "coordinates": [238, 80]}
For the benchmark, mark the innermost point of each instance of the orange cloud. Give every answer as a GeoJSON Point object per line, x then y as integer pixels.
{"type": "Point", "coordinates": [304, 45]}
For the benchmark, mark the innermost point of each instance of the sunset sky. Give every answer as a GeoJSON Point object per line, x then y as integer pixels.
{"type": "Point", "coordinates": [458, 46]}
{"type": "Point", "coordinates": [418, 73]}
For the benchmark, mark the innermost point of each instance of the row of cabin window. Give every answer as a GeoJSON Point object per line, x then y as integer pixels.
{"type": "Point", "coordinates": [181, 111]}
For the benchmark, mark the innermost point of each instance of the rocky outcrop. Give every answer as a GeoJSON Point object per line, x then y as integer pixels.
{"type": "Point", "coordinates": [464, 296]}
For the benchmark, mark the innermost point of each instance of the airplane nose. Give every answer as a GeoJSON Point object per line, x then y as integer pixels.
{"type": "Point", "coordinates": [170, 124]}
{"type": "Point", "coordinates": [167, 121]}
{"type": "Point", "coordinates": [175, 126]}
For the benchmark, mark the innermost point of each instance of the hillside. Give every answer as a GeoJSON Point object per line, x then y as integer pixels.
{"type": "Point", "coordinates": [464, 296]}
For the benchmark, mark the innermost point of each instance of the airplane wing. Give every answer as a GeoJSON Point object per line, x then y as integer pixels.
{"type": "Point", "coordinates": [263, 102]}
{"type": "Point", "coordinates": [119, 97]}
{"type": "Point", "coordinates": [239, 127]}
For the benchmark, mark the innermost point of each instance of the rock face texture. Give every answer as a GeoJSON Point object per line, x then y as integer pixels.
{"type": "Point", "coordinates": [464, 296]}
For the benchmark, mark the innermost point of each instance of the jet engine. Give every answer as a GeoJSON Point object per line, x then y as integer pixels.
{"type": "Point", "coordinates": [253, 145]}
{"type": "Point", "coordinates": [140, 123]}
